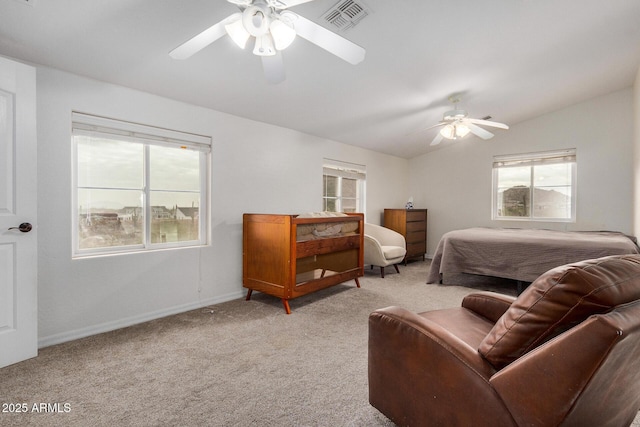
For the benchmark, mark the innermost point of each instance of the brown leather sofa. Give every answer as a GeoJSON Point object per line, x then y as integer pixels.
{"type": "Point", "coordinates": [565, 352]}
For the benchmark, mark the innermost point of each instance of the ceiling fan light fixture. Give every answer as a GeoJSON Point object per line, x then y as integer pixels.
{"type": "Point", "coordinates": [236, 30]}
{"type": "Point", "coordinates": [449, 131]}
{"type": "Point", "coordinates": [264, 46]}
{"type": "Point", "coordinates": [456, 125]}
{"type": "Point", "coordinates": [455, 115]}
{"type": "Point", "coordinates": [462, 130]}
{"type": "Point", "coordinates": [455, 131]}
{"type": "Point", "coordinates": [283, 34]}
{"type": "Point", "coordinates": [256, 20]}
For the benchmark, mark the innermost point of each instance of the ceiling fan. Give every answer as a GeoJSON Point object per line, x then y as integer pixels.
{"type": "Point", "coordinates": [273, 27]}
{"type": "Point", "coordinates": [457, 125]}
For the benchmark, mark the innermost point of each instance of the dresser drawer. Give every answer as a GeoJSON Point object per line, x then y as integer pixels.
{"type": "Point", "coordinates": [415, 237]}
{"type": "Point", "coordinates": [416, 216]}
{"type": "Point", "coordinates": [416, 226]}
{"type": "Point", "coordinates": [414, 249]}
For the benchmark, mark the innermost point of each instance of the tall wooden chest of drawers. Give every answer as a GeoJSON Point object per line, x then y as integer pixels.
{"type": "Point", "coordinates": [412, 224]}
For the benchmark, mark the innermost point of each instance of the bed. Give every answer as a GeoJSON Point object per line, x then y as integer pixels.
{"type": "Point", "coordinates": [520, 254]}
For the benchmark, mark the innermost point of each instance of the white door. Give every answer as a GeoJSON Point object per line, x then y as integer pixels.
{"type": "Point", "coordinates": [18, 205]}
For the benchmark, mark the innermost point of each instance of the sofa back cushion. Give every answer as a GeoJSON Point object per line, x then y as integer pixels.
{"type": "Point", "coordinates": [559, 299]}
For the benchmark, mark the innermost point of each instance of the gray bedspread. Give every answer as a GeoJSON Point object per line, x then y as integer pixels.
{"type": "Point", "coordinates": [520, 254]}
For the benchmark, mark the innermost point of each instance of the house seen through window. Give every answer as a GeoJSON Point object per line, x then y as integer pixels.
{"type": "Point", "coordinates": [343, 186]}
{"type": "Point", "coordinates": [535, 186]}
{"type": "Point", "coordinates": [137, 187]}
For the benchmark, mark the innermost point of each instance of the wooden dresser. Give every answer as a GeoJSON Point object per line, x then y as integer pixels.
{"type": "Point", "coordinates": [412, 224]}
{"type": "Point", "coordinates": [288, 256]}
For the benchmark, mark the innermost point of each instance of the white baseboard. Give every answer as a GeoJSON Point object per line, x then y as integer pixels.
{"type": "Point", "coordinates": [134, 320]}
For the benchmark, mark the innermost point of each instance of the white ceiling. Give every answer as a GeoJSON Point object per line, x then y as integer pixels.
{"type": "Point", "coordinates": [511, 59]}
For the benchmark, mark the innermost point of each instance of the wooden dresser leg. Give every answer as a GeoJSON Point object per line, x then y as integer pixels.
{"type": "Point", "coordinates": [248, 295]}
{"type": "Point", "coordinates": [285, 302]}
{"type": "Point", "coordinates": [357, 282]}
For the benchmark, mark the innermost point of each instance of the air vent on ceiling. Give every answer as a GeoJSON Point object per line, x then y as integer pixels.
{"type": "Point", "coordinates": [346, 14]}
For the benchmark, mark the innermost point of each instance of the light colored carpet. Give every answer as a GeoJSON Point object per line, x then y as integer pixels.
{"type": "Point", "coordinates": [234, 364]}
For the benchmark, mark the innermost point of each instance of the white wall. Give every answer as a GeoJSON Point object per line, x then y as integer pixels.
{"type": "Point", "coordinates": [636, 155]}
{"type": "Point", "coordinates": [255, 168]}
{"type": "Point", "coordinates": [454, 183]}
{"type": "Point", "coordinates": [262, 168]}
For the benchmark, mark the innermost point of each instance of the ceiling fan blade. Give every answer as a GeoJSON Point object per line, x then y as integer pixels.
{"type": "Point", "coordinates": [200, 41]}
{"type": "Point", "coordinates": [442, 123]}
{"type": "Point", "coordinates": [426, 129]}
{"type": "Point", "coordinates": [283, 4]}
{"type": "Point", "coordinates": [241, 2]}
{"type": "Point", "coordinates": [437, 139]}
{"type": "Point", "coordinates": [478, 131]}
{"type": "Point", "coordinates": [488, 123]}
{"type": "Point", "coordinates": [327, 40]}
{"type": "Point", "coordinates": [273, 68]}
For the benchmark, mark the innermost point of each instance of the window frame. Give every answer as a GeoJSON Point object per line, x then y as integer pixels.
{"type": "Point", "coordinates": [532, 160]}
{"type": "Point", "coordinates": [91, 125]}
{"type": "Point", "coordinates": [341, 170]}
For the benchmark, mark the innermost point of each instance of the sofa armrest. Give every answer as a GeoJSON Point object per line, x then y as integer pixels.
{"type": "Point", "coordinates": [418, 371]}
{"type": "Point", "coordinates": [490, 305]}
{"type": "Point", "coordinates": [386, 236]}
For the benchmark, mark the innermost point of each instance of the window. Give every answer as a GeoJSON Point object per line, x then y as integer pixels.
{"type": "Point", "coordinates": [137, 187]}
{"type": "Point", "coordinates": [535, 186]}
{"type": "Point", "coordinates": [343, 186]}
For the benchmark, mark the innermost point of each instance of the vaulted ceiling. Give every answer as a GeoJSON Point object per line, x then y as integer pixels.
{"type": "Point", "coordinates": [510, 59]}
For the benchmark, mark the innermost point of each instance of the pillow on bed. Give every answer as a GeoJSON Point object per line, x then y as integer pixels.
{"type": "Point", "coordinates": [559, 299]}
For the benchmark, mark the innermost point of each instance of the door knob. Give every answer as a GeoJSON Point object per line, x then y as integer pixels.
{"type": "Point", "coordinates": [25, 227]}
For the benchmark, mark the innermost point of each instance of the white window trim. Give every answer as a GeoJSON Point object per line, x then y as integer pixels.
{"type": "Point", "coordinates": [347, 170]}
{"type": "Point", "coordinates": [87, 124]}
{"type": "Point", "coordinates": [568, 155]}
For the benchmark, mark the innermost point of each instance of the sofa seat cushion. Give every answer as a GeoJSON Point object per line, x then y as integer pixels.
{"type": "Point", "coordinates": [466, 325]}
{"type": "Point", "coordinates": [559, 299]}
{"type": "Point", "coordinates": [391, 252]}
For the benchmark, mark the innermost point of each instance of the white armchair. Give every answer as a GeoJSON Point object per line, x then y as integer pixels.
{"type": "Point", "coordinates": [383, 247]}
